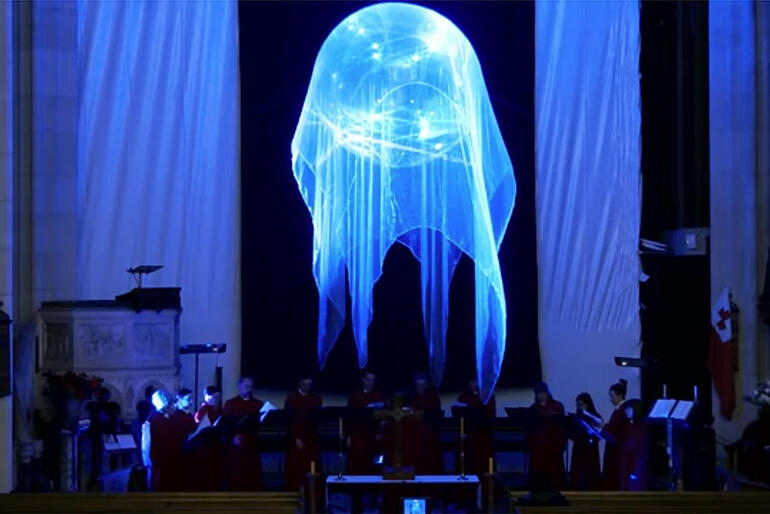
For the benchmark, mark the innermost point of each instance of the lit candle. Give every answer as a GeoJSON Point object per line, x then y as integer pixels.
{"type": "Point", "coordinates": [462, 426]}
{"type": "Point", "coordinates": [312, 467]}
{"type": "Point", "coordinates": [340, 428]}
{"type": "Point", "coordinates": [491, 465]}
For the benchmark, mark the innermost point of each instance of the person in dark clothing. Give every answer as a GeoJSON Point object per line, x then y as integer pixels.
{"type": "Point", "coordinates": [105, 415]}
{"type": "Point", "coordinates": [584, 473]}
{"type": "Point", "coordinates": [613, 436]}
{"type": "Point", "coordinates": [546, 438]}
{"type": "Point", "coordinates": [634, 449]}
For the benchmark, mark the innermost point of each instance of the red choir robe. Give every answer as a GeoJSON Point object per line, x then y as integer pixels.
{"type": "Point", "coordinates": [298, 459]}
{"type": "Point", "coordinates": [478, 446]}
{"type": "Point", "coordinates": [167, 434]}
{"type": "Point", "coordinates": [613, 436]}
{"type": "Point", "coordinates": [363, 434]}
{"type": "Point", "coordinates": [584, 470]}
{"type": "Point", "coordinates": [244, 463]}
{"type": "Point", "coordinates": [422, 445]}
{"type": "Point", "coordinates": [547, 440]}
{"type": "Point", "coordinates": [634, 451]}
{"type": "Point", "coordinates": [212, 412]}
{"type": "Point", "coordinates": [207, 456]}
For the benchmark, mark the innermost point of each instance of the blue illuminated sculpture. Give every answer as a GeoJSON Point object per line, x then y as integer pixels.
{"type": "Point", "coordinates": [397, 142]}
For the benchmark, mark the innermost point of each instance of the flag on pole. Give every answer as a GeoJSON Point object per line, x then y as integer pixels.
{"type": "Point", "coordinates": [722, 354]}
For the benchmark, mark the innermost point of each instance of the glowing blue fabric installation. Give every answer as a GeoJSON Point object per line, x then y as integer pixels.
{"type": "Point", "coordinates": [397, 142]}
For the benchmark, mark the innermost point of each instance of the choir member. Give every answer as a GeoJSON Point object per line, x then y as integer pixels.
{"type": "Point", "coordinates": [478, 448]}
{"type": "Point", "coordinates": [613, 436]}
{"type": "Point", "coordinates": [145, 406]}
{"type": "Point", "coordinates": [753, 448]}
{"type": "Point", "coordinates": [162, 436]}
{"type": "Point", "coordinates": [584, 472]}
{"type": "Point", "coordinates": [184, 401]}
{"type": "Point", "coordinates": [245, 465]}
{"type": "Point", "coordinates": [143, 409]}
{"type": "Point", "coordinates": [546, 439]}
{"type": "Point", "coordinates": [634, 449]}
{"type": "Point", "coordinates": [362, 433]}
{"type": "Point", "coordinates": [207, 453]}
{"type": "Point", "coordinates": [105, 418]}
{"type": "Point", "coordinates": [422, 444]}
{"type": "Point", "coordinates": [303, 437]}
{"type": "Point", "coordinates": [104, 414]}
{"type": "Point", "coordinates": [209, 409]}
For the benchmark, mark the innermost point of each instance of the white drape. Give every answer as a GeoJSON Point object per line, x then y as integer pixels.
{"type": "Point", "coordinates": [158, 158]}
{"type": "Point", "coordinates": [587, 119]}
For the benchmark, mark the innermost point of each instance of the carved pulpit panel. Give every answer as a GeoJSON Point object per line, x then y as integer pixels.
{"type": "Point", "coordinates": [130, 347]}
{"type": "Point", "coordinates": [102, 344]}
{"type": "Point", "coordinates": [56, 349]}
{"type": "Point", "coordinates": [153, 342]}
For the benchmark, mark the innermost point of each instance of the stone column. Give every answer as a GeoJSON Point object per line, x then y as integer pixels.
{"type": "Point", "coordinates": [6, 223]}
{"type": "Point", "coordinates": [738, 96]}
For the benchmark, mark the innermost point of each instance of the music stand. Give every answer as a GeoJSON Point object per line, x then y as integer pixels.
{"type": "Point", "coordinates": [671, 411]}
{"type": "Point", "coordinates": [229, 425]}
{"type": "Point", "coordinates": [476, 415]}
{"type": "Point", "coordinates": [520, 415]}
{"type": "Point", "coordinates": [144, 269]}
{"type": "Point", "coordinates": [197, 349]}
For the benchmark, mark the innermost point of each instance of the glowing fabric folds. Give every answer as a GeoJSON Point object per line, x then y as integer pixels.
{"type": "Point", "coordinates": [397, 142]}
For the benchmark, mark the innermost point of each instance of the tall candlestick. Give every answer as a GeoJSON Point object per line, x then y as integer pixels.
{"type": "Point", "coordinates": [339, 454]}
{"type": "Point", "coordinates": [312, 467]}
{"type": "Point", "coordinates": [462, 448]}
{"type": "Point", "coordinates": [491, 465]}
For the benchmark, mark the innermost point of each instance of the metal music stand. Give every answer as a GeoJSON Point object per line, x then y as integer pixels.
{"type": "Point", "coordinates": [197, 349]}
{"type": "Point", "coordinates": [144, 269]}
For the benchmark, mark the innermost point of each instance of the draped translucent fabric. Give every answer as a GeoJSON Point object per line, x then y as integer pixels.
{"type": "Point", "coordinates": [588, 191]}
{"type": "Point", "coordinates": [158, 158]}
{"type": "Point", "coordinates": [397, 143]}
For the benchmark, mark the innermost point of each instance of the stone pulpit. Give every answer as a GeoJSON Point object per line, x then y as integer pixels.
{"type": "Point", "coordinates": [131, 342]}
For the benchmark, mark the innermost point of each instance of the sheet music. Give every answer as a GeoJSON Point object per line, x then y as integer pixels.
{"type": "Point", "coordinates": [126, 442]}
{"type": "Point", "coordinates": [267, 407]}
{"type": "Point", "coordinates": [682, 409]}
{"type": "Point", "coordinates": [205, 423]}
{"type": "Point", "coordinates": [588, 428]}
{"type": "Point", "coordinates": [662, 408]}
{"type": "Point", "coordinates": [110, 443]}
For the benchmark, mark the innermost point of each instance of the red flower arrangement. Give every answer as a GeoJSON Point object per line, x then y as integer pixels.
{"type": "Point", "coordinates": [70, 385]}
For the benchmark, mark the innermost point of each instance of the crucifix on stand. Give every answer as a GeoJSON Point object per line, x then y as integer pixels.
{"type": "Point", "coordinates": [398, 471]}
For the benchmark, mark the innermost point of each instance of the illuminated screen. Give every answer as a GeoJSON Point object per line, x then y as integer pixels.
{"type": "Point", "coordinates": [415, 505]}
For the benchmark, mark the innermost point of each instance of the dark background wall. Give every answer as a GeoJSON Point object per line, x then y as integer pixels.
{"type": "Point", "coordinates": [675, 172]}
{"type": "Point", "coordinates": [278, 45]}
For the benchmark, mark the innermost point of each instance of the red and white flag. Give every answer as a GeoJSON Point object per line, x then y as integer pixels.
{"type": "Point", "coordinates": [720, 317]}
{"type": "Point", "coordinates": [722, 354]}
